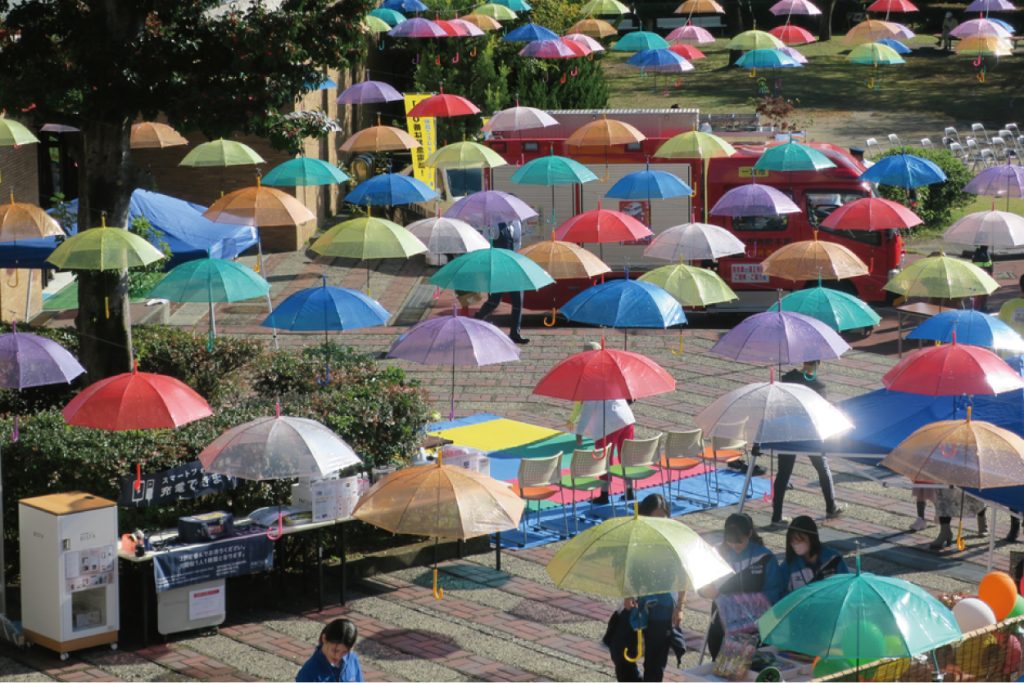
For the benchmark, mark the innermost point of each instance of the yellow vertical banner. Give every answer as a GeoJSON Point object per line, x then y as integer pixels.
{"type": "Point", "coordinates": [424, 130]}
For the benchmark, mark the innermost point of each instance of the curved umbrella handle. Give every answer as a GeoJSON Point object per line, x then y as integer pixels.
{"type": "Point", "coordinates": [871, 83]}
{"type": "Point", "coordinates": [599, 453]}
{"type": "Point", "coordinates": [550, 322]}
{"type": "Point", "coordinates": [639, 649]}
{"type": "Point", "coordinates": [960, 544]}
{"type": "Point", "coordinates": [678, 351]}
{"type": "Point", "coordinates": [274, 534]}
{"type": "Point", "coordinates": [438, 591]}
{"type": "Point", "coordinates": [472, 53]}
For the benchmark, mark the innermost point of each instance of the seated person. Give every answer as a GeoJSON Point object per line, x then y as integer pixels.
{"type": "Point", "coordinates": [807, 560]}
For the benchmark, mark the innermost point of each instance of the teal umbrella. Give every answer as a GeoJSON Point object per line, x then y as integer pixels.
{"type": "Point", "coordinates": [391, 17]}
{"type": "Point", "coordinates": [304, 171]}
{"type": "Point", "coordinates": [640, 40]}
{"type": "Point", "coordinates": [208, 280]}
{"type": "Point", "coordinates": [792, 156]}
{"type": "Point", "coordinates": [553, 170]}
{"type": "Point", "coordinates": [491, 270]}
{"type": "Point", "coordinates": [515, 5]}
{"type": "Point", "coordinates": [838, 310]}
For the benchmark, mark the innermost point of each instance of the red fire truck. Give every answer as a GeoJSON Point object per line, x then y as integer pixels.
{"type": "Point", "coordinates": [816, 193]}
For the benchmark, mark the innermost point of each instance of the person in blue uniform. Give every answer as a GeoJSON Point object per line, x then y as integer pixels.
{"type": "Point", "coordinates": [334, 659]}
{"type": "Point", "coordinates": [807, 560]}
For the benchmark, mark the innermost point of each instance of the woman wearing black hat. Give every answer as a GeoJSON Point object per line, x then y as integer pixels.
{"type": "Point", "coordinates": [807, 560]}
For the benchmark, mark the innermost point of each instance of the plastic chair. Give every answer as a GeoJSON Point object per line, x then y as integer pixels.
{"type": "Point", "coordinates": [683, 451]}
{"type": "Point", "coordinates": [585, 472]}
{"type": "Point", "coordinates": [727, 443]}
{"type": "Point", "coordinates": [538, 480]}
{"type": "Point", "coordinates": [950, 132]}
{"type": "Point", "coordinates": [638, 460]}
{"type": "Point", "coordinates": [988, 157]}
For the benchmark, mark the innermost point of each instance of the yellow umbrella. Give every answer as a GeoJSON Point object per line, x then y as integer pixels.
{"type": "Point", "coordinates": [696, 145]}
{"type": "Point", "coordinates": [440, 501]}
{"type": "Point", "coordinates": [482, 22]}
{"type": "Point", "coordinates": [942, 277]}
{"type": "Point", "coordinates": [368, 238]}
{"type": "Point", "coordinates": [984, 46]}
{"type": "Point", "coordinates": [22, 221]}
{"type": "Point", "coordinates": [152, 135]}
{"type": "Point", "coordinates": [261, 206]}
{"type": "Point", "coordinates": [379, 139]}
{"type": "Point", "coordinates": [595, 28]}
{"type": "Point", "coordinates": [465, 155]}
{"type": "Point", "coordinates": [755, 40]}
{"type": "Point", "coordinates": [812, 260]}
{"type": "Point", "coordinates": [871, 31]}
{"type": "Point", "coordinates": [699, 7]}
{"type": "Point", "coordinates": [690, 286]}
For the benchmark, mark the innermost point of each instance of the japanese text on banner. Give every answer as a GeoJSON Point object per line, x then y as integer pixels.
{"type": "Point", "coordinates": [424, 130]}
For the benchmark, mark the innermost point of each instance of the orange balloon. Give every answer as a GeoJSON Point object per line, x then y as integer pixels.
{"type": "Point", "coordinates": [999, 592]}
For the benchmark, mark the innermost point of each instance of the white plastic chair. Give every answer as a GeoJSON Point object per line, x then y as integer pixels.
{"type": "Point", "coordinates": [1012, 127]}
{"type": "Point", "coordinates": [998, 148]}
{"type": "Point", "coordinates": [988, 158]}
{"type": "Point", "coordinates": [979, 130]}
{"type": "Point", "coordinates": [950, 132]}
{"type": "Point", "coordinates": [958, 151]}
{"type": "Point", "coordinates": [683, 451]}
{"type": "Point", "coordinates": [538, 480]}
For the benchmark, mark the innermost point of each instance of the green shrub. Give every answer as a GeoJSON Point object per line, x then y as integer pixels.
{"type": "Point", "coordinates": [935, 203]}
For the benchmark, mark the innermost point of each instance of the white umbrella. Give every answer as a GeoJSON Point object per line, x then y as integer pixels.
{"type": "Point", "coordinates": [519, 118]}
{"type": "Point", "coordinates": [995, 229]}
{"type": "Point", "coordinates": [448, 235]}
{"type": "Point", "coordinates": [694, 242]}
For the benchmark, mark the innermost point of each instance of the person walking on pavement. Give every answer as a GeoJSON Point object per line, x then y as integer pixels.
{"type": "Point", "coordinates": [808, 376]}
{"type": "Point", "coordinates": [506, 236]}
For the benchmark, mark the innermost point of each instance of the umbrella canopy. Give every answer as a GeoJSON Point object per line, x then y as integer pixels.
{"type": "Point", "coordinates": [13, 134]}
{"type": "Point", "coordinates": [417, 27]}
{"type": "Point", "coordinates": [600, 8]}
{"type": "Point", "coordinates": [690, 285]}
{"type": "Point", "coordinates": [369, 92]}
{"type": "Point", "coordinates": [892, 6]}
{"type": "Point", "coordinates": [602, 225]}
{"type": "Point", "coordinates": [28, 360]}
{"type": "Point", "coordinates": [754, 40]}
{"type": "Point", "coordinates": [152, 135]}
{"type": "Point", "coordinates": [444, 106]}
{"type": "Point", "coordinates": [812, 260]}
{"type": "Point", "coordinates": [23, 221]}
{"type": "Point", "coordinates": [495, 11]}
{"type": "Point", "coordinates": [690, 34]}
{"type": "Point", "coordinates": [260, 206]}
{"type": "Point", "coordinates": [780, 338]}
{"type": "Point", "coordinates": [605, 374]}
{"type": "Point", "coordinates": [389, 16]}
{"type": "Point", "coordinates": [792, 156]}
{"type": "Point", "coordinates": [786, 7]}
{"type": "Point", "coordinates": [904, 170]}
{"type": "Point", "coordinates": [870, 31]}
{"type": "Point", "coordinates": [662, 60]}
{"type": "Point", "coordinates": [772, 412]}
{"type": "Point", "coordinates": [694, 242]}
{"type": "Point", "coordinates": [210, 279]}
{"type": "Point", "coordinates": [699, 7]}
{"type": "Point", "coordinates": [969, 327]}
{"type": "Point", "coordinates": [859, 617]}
{"type": "Point", "coordinates": [390, 189]}
{"type": "Point", "coordinates": [900, 48]}
{"type": "Point", "coordinates": [278, 447]}
{"type": "Point", "coordinates": [519, 118]}
{"type": "Point", "coordinates": [465, 155]}
{"type": "Point", "coordinates": [952, 370]}
{"type": "Point", "coordinates": [459, 28]}
{"type": "Point", "coordinates": [221, 152]}
{"type": "Point", "coordinates": [960, 452]}
{"type": "Point", "coordinates": [1005, 180]}
{"type": "Point", "coordinates": [482, 22]}
{"type": "Point", "coordinates": [375, 25]}
{"type": "Point", "coordinates": [980, 27]}
{"type": "Point", "coordinates": [695, 145]}
{"type": "Point", "coordinates": [491, 270]}
{"type": "Point", "coordinates": [104, 249]}
{"type": "Point", "coordinates": [990, 6]}
{"type": "Point", "coordinates": [490, 207]}
{"type": "Point", "coordinates": [553, 170]}
{"type": "Point", "coordinates": [594, 28]}
{"type": "Point", "coordinates": [551, 49]}
{"type": "Point", "coordinates": [767, 58]}
{"type": "Point", "coordinates": [447, 235]}
{"type": "Point", "coordinates": [304, 171]}
{"type": "Point", "coordinates": [942, 277]}
{"type": "Point", "coordinates": [994, 229]}
{"type": "Point", "coordinates": [585, 41]}
{"type": "Point", "coordinates": [528, 32]}
{"type": "Point", "coordinates": [455, 340]}
{"type": "Point", "coordinates": [984, 46]}
{"type": "Point", "coordinates": [604, 132]}
{"type": "Point", "coordinates": [58, 128]}
{"type": "Point", "coordinates": [649, 185]}
{"type": "Point", "coordinates": [636, 556]}
{"type": "Point", "coordinates": [639, 40]}
{"type": "Point", "coordinates": [838, 310]}
{"type": "Point", "coordinates": [368, 238]}
{"type": "Point", "coordinates": [327, 308]}
{"type": "Point", "coordinates": [136, 400]}
{"type": "Point", "coordinates": [874, 54]}
{"type": "Point", "coordinates": [790, 34]}
{"type": "Point", "coordinates": [687, 51]}
{"type": "Point", "coordinates": [794, 54]}
{"type": "Point", "coordinates": [871, 213]}
{"type": "Point", "coordinates": [379, 139]}
{"type": "Point", "coordinates": [754, 200]}
{"type": "Point", "coordinates": [565, 260]}
{"type": "Point", "coordinates": [406, 6]}
{"type": "Point", "coordinates": [515, 5]}
{"type": "Point", "coordinates": [625, 303]}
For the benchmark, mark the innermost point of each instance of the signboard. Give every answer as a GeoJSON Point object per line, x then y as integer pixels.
{"type": "Point", "coordinates": [639, 209]}
{"type": "Point", "coordinates": [218, 560]}
{"type": "Point", "coordinates": [424, 130]}
{"type": "Point", "coordinates": [185, 482]}
{"type": "Point", "coordinates": [751, 172]}
{"type": "Point", "coordinates": [745, 273]}
{"type": "Point", "coordinates": [206, 603]}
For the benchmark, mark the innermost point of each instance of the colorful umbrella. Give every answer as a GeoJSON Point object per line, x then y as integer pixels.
{"type": "Point", "coordinates": [447, 235]}
{"type": "Point", "coordinates": [871, 213]}
{"type": "Point", "coordinates": [1005, 180]}
{"type": "Point", "coordinates": [969, 327]}
{"type": "Point", "coordinates": [767, 58]}
{"type": "Point", "coordinates": [515, 5]}
{"type": "Point", "coordinates": [604, 132]}
{"type": "Point", "coordinates": [639, 40]}
{"type": "Point", "coordinates": [696, 145]}
{"type": "Point", "coordinates": [603, 375]}
{"type": "Point", "coordinates": [952, 370]}
{"type": "Point", "coordinates": [780, 338]}
{"type": "Point", "coordinates": [389, 16]}
{"type": "Point", "coordinates": [813, 260]}
{"type": "Point", "coordinates": [584, 41]}
{"type": "Point", "coordinates": [379, 139]}
{"type": "Point", "coordinates": [690, 7]}
{"type": "Point", "coordinates": [375, 25]}
{"type": "Point", "coordinates": [369, 92]}
{"type": "Point", "coordinates": [136, 400]}
{"type": "Point", "coordinates": [104, 248]}
{"type": "Point", "coordinates": [368, 238]}
{"type": "Point", "coordinates": [649, 184]}
{"type": "Point", "coordinates": [599, 8]}
{"type": "Point", "coordinates": [792, 35]}
{"type": "Point", "coordinates": [259, 206]}
{"type": "Point", "coordinates": [690, 34]}
{"type": "Point", "coordinates": [792, 156]}
{"type": "Point", "coordinates": [390, 189]}
{"type": "Point", "coordinates": [754, 200]}
{"type": "Point", "coordinates": [987, 6]}
{"type": "Point", "coordinates": [491, 270]}
{"type": "Point", "coordinates": [405, 6]}
{"type": "Point", "coordinates": [900, 48]}
{"type": "Point", "coordinates": [794, 54]}
{"type": "Point", "coordinates": [495, 11]}
{"type": "Point", "coordinates": [326, 308]}
{"type": "Point", "coordinates": [624, 304]}
{"type": "Point", "coordinates": [594, 28]}
{"type": "Point", "coordinates": [490, 207]}
{"type": "Point", "coordinates": [529, 32]}
{"type": "Point", "coordinates": [22, 221]}
{"type": "Point", "coordinates": [459, 28]}
{"type": "Point", "coordinates": [13, 134]}
{"type": "Point", "coordinates": [417, 27]}
{"type": "Point", "coordinates": [904, 170]}
{"type": "Point", "coordinates": [304, 171]}
{"type": "Point", "coordinates": [754, 40]}
{"type": "Point", "coordinates": [552, 170]}
{"type": "Point", "coordinates": [551, 49]}
{"type": "Point", "coordinates": [662, 60]}
{"type": "Point", "coordinates": [994, 229]}
{"type": "Point", "coordinates": [694, 242]}
{"type": "Point", "coordinates": [870, 31]}
{"type": "Point", "coordinates": [889, 6]}
{"type": "Point", "coordinates": [984, 46]}
{"type": "Point", "coordinates": [690, 285]}
{"type": "Point", "coordinates": [28, 360]}
{"type": "Point", "coordinates": [874, 54]}
{"type": "Point", "coordinates": [221, 152]}
{"type": "Point", "coordinates": [444, 106]}
{"type": "Point", "coordinates": [519, 118]}
{"type": "Point", "coordinates": [602, 225]}
{"type": "Point", "coordinates": [152, 135]}
{"type": "Point", "coordinates": [465, 155]}
{"type": "Point", "coordinates": [788, 7]}
{"type": "Point", "coordinates": [687, 51]}
{"type": "Point", "coordinates": [980, 27]}
{"type": "Point", "coordinates": [838, 310]}
{"type": "Point", "coordinates": [942, 277]}
{"type": "Point", "coordinates": [482, 22]}
{"type": "Point", "coordinates": [564, 260]}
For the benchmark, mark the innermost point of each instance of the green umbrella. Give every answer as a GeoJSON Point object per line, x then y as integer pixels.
{"type": "Point", "coordinates": [691, 285]}
{"type": "Point", "coordinates": [838, 310]}
{"type": "Point", "coordinates": [942, 277]}
{"type": "Point", "coordinates": [755, 40]}
{"type": "Point", "coordinates": [465, 155]}
{"type": "Point", "coordinates": [598, 8]}
{"type": "Point", "coordinates": [104, 249]}
{"type": "Point", "coordinates": [388, 16]}
{"type": "Point", "coordinates": [221, 152]}
{"type": "Point", "coordinates": [874, 54]}
{"type": "Point", "coordinates": [304, 171]}
{"type": "Point", "coordinates": [13, 133]}
{"type": "Point", "coordinates": [496, 12]}
{"type": "Point", "coordinates": [368, 238]}
{"type": "Point", "coordinates": [640, 40]}
{"type": "Point", "coordinates": [792, 156]}
{"type": "Point", "coordinates": [375, 24]}
{"type": "Point", "coordinates": [491, 270]}
{"type": "Point", "coordinates": [696, 145]}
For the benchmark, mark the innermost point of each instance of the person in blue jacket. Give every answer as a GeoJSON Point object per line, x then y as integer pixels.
{"type": "Point", "coordinates": [807, 560]}
{"type": "Point", "coordinates": [756, 571]}
{"type": "Point", "coordinates": [334, 659]}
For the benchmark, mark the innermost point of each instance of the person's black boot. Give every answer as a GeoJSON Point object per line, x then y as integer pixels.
{"type": "Point", "coordinates": [1014, 532]}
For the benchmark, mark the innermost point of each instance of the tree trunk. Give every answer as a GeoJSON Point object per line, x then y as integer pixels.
{"type": "Point", "coordinates": [825, 29]}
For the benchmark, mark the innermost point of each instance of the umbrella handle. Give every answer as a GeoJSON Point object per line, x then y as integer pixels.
{"type": "Point", "coordinates": [472, 53]}
{"type": "Point", "coordinates": [550, 322]}
{"type": "Point", "coordinates": [273, 534]}
{"type": "Point", "coordinates": [456, 58]}
{"type": "Point", "coordinates": [138, 476]}
{"type": "Point", "coordinates": [438, 591]}
{"type": "Point", "coordinates": [639, 649]}
{"type": "Point", "coordinates": [871, 83]}
{"type": "Point", "coordinates": [960, 544]}
{"type": "Point", "coordinates": [678, 351]}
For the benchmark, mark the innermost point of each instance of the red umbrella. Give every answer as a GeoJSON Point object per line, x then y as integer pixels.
{"type": "Point", "coordinates": [793, 35]}
{"type": "Point", "coordinates": [951, 370]}
{"type": "Point", "coordinates": [871, 213]}
{"type": "Point", "coordinates": [892, 6]}
{"type": "Point", "coordinates": [602, 225]}
{"type": "Point", "coordinates": [605, 374]}
{"type": "Point", "coordinates": [136, 400]}
{"type": "Point", "coordinates": [444, 105]}
{"type": "Point", "coordinates": [687, 51]}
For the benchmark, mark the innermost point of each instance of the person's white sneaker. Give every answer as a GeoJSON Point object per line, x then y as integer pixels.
{"type": "Point", "coordinates": [919, 523]}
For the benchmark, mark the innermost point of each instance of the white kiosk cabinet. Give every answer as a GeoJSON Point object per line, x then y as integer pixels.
{"type": "Point", "coordinates": [69, 596]}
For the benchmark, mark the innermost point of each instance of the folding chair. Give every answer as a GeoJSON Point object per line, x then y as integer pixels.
{"type": "Point", "coordinates": [585, 471]}
{"type": "Point", "coordinates": [538, 480]}
{"type": "Point", "coordinates": [1012, 127]}
{"type": "Point", "coordinates": [894, 140]}
{"type": "Point", "coordinates": [988, 157]}
{"type": "Point", "coordinates": [683, 451]}
{"type": "Point", "coordinates": [927, 143]}
{"type": "Point", "coordinates": [979, 129]}
{"type": "Point", "coordinates": [958, 151]}
{"type": "Point", "coordinates": [973, 151]}
{"type": "Point", "coordinates": [638, 460]}
{"type": "Point", "coordinates": [872, 147]}
{"type": "Point", "coordinates": [998, 148]}
{"type": "Point", "coordinates": [950, 132]}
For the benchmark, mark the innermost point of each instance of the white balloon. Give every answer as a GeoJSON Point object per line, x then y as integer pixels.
{"type": "Point", "coordinates": [972, 614]}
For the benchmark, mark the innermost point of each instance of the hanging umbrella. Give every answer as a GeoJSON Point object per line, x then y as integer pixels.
{"type": "Point", "coordinates": [551, 49]}
{"type": "Point", "coordinates": [767, 58]}
{"type": "Point", "coordinates": [405, 6]}
{"type": "Point", "coordinates": [325, 309]}
{"type": "Point", "coordinates": [699, 7]}
{"type": "Point", "coordinates": [465, 155]}
{"type": "Point", "coordinates": [552, 170]}
{"type": "Point", "coordinates": [495, 11]}
{"type": "Point", "coordinates": [690, 34]}
{"type": "Point", "coordinates": [594, 28]}
{"type": "Point", "coordinates": [900, 48]}
{"type": "Point", "coordinates": [604, 132]}
{"type": "Point", "coordinates": [952, 370]}
{"type": "Point", "coordinates": [754, 40]}
{"type": "Point", "coordinates": [984, 46]}
{"type": "Point", "coordinates": [604, 375]}
{"type": "Point", "coordinates": [624, 304]}
{"type": "Point", "coordinates": [417, 28]}
{"type": "Point", "coordinates": [791, 34]}
{"type": "Point", "coordinates": [375, 25]}
{"type": "Point", "coordinates": [23, 221]}
{"type": "Point", "coordinates": [515, 5]}
{"type": "Point", "coordinates": [648, 184]}
{"type": "Point", "coordinates": [870, 31]}
{"type": "Point", "coordinates": [838, 310]}
{"type": "Point", "coordinates": [694, 242]}
{"type": "Point", "coordinates": [987, 6]}
{"type": "Point", "coordinates": [104, 248]}
{"type": "Point", "coordinates": [969, 327]}
{"type": "Point", "coordinates": [565, 260]}
{"type": "Point", "coordinates": [904, 170]}
{"type": "Point", "coordinates": [379, 139]}
{"type": "Point", "coordinates": [871, 213]}
{"type": "Point", "coordinates": [59, 128]}
{"type": "Point", "coordinates": [28, 360]}
{"type": "Point", "coordinates": [980, 27]}
{"type": "Point", "coordinates": [447, 235]}
{"type": "Point", "coordinates": [482, 22]}
{"type": "Point", "coordinates": [788, 7]}
{"type": "Point", "coordinates": [639, 40]}
{"type": "Point", "coordinates": [942, 277]}
{"type": "Point", "coordinates": [780, 338]}
{"type": "Point", "coordinates": [892, 6]}
{"type": "Point", "coordinates": [529, 32]}
{"type": "Point", "coordinates": [690, 285]}
{"type": "Point", "coordinates": [600, 8]}
{"type": "Point", "coordinates": [304, 171]}
{"type": "Point", "coordinates": [490, 207]}
{"type": "Point", "coordinates": [457, 28]}
{"type": "Point", "coordinates": [696, 145]}
{"type": "Point", "coordinates": [662, 60]}
{"type": "Point", "coordinates": [136, 400]}
{"type": "Point", "coordinates": [442, 105]}
{"type": "Point", "coordinates": [259, 206]}
{"type": "Point", "coordinates": [491, 270]}
{"type": "Point", "coordinates": [994, 229]}
{"type": "Point", "coordinates": [369, 92]}
{"type": "Point", "coordinates": [368, 238]}
{"type": "Point", "coordinates": [519, 118]}
{"type": "Point", "coordinates": [152, 135]}
{"type": "Point", "coordinates": [812, 260]}
{"type": "Point", "coordinates": [687, 51]}
{"type": "Point", "coordinates": [792, 156]}
{"type": "Point", "coordinates": [585, 41]}
{"type": "Point", "coordinates": [754, 200]}
{"type": "Point", "coordinates": [390, 189]}
{"type": "Point", "coordinates": [1005, 180]}
{"type": "Point", "coordinates": [602, 225]}
{"type": "Point", "coordinates": [221, 152]}
{"type": "Point", "coordinates": [13, 134]}
{"type": "Point", "coordinates": [389, 16]}
{"type": "Point", "coordinates": [874, 54]}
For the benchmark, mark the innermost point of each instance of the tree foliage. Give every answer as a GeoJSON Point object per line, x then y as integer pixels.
{"type": "Point", "coordinates": [934, 203]}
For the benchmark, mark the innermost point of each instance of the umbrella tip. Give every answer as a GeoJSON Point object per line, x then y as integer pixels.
{"type": "Point", "coordinates": [277, 409]}
{"type": "Point", "coordinates": [771, 375]}
{"type": "Point", "coordinates": [969, 408]}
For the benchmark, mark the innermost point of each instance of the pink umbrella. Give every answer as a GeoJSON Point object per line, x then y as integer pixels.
{"type": "Point", "coordinates": [550, 49]}
{"type": "Point", "coordinates": [787, 7]}
{"type": "Point", "coordinates": [369, 92]}
{"type": "Point", "coordinates": [586, 41]}
{"type": "Point", "coordinates": [754, 200]}
{"type": "Point", "coordinates": [601, 225]}
{"type": "Point", "coordinates": [793, 35]}
{"type": "Point", "coordinates": [1005, 180]}
{"type": "Point", "coordinates": [459, 28]}
{"type": "Point", "coordinates": [888, 6]}
{"type": "Point", "coordinates": [490, 207]}
{"type": "Point", "coordinates": [417, 27]}
{"type": "Point", "coordinates": [795, 54]}
{"type": "Point", "coordinates": [902, 30]}
{"type": "Point", "coordinates": [519, 118]}
{"type": "Point", "coordinates": [987, 6]}
{"type": "Point", "coordinates": [980, 27]}
{"type": "Point", "coordinates": [578, 46]}
{"type": "Point", "coordinates": [687, 51]}
{"type": "Point", "coordinates": [690, 35]}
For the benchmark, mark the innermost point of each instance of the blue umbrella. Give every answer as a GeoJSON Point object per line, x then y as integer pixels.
{"type": "Point", "coordinates": [767, 58]}
{"type": "Point", "coordinates": [390, 189]}
{"type": "Point", "coordinates": [1002, 23]}
{"type": "Point", "coordinates": [660, 59]}
{"type": "Point", "coordinates": [970, 327]}
{"type": "Point", "coordinates": [404, 6]}
{"type": "Point", "coordinates": [625, 303]}
{"type": "Point", "coordinates": [530, 32]}
{"type": "Point", "coordinates": [904, 170]}
{"type": "Point", "coordinates": [649, 184]}
{"type": "Point", "coordinates": [896, 45]}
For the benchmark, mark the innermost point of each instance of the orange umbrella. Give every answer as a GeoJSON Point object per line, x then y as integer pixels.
{"type": "Point", "coordinates": [152, 135]}
{"type": "Point", "coordinates": [813, 260]}
{"type": "Point", "coordinates": [871, 31]}
{"type": "Point", "coordinates": [604, 132]}
{"type": "Point", "coordinates": [379, 139]}
{"type": "Point", "coordinates": [482, 22]}
{"type": "Point", "coordinates": [595, 28]}
{"type": "Point", "coordinates": [22, 221]}
{"type": "Point", "coordinates": [564, 259]}
{"type": "Point", "coordinates": [699, 7]}
{"type": "Point", "coordinates": [263, 207]}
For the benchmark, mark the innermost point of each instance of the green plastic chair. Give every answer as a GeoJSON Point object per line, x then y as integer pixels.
{"type": "Point", "coordinates": [638, 459]}
{"type": "Point", "coordinates": [585, 471]}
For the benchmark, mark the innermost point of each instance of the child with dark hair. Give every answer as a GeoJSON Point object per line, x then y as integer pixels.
{"type": "Point", "coordinates": [807, 560]}
{"type": "Point", "coordinates": [334, 659]}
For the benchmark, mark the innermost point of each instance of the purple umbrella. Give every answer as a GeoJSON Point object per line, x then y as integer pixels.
{"type": "Point", "coordinates": [980, 27]}
{"type": "Point", "coordinates": [780, 337]}
{"type": "Point", "coordinates": [987, 6]}
{"type": "Point", "coordinates": [1005, 180]}
{"type": "Point", "coordinates": [369, 92]}
{"type": "Point", "coordinates": [490, 207]}
{"type": "Point", "coordinates": [417, 27]}
{"type": "Point", "coordinates": [754, 200]}
{"type": "Point", "coordinates": [548, 49]}
{"type": "Point", "coordinates": [457, 340]}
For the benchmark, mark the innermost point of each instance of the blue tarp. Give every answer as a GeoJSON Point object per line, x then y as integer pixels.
{"type": "Point", "coordinates": [187, 233]}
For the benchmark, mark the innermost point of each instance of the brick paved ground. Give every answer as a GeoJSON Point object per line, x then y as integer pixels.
{"type": "Point", "coordinates": [515, 625]}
